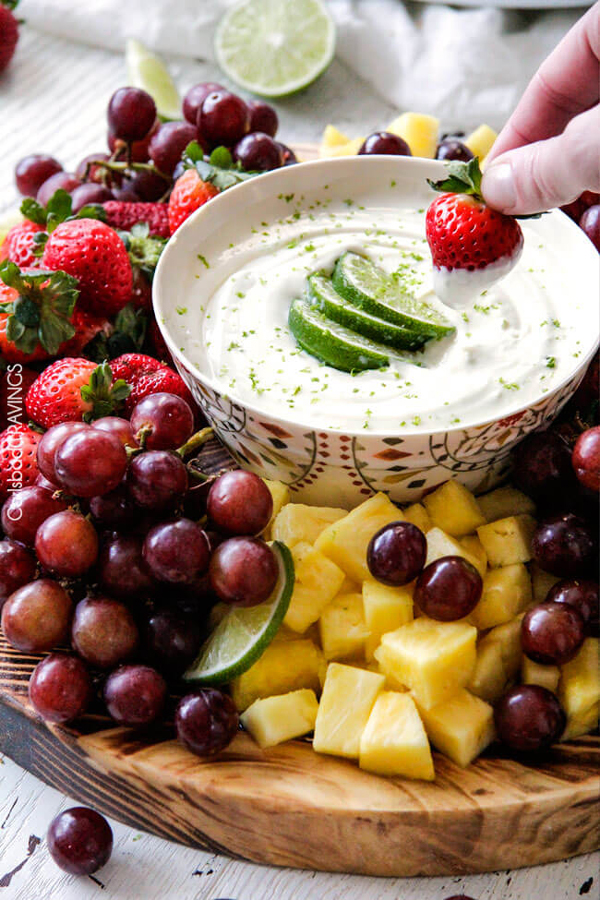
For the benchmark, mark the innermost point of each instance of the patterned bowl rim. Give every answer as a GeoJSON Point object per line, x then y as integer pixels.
{"type": "Point", "coordinates": [282, 180]}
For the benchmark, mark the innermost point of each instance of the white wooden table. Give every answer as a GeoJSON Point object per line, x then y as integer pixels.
{"type": "Point", "coordinates": [54, 100]}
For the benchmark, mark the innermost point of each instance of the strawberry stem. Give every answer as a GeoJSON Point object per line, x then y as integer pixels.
{"type": "Point", "coordinates": [106, 398]}
{"type": "Point", "coordinates": [462, 178]}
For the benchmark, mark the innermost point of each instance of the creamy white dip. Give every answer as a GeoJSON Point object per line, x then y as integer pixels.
{"type": "Point", "coordinates": [513, 343]}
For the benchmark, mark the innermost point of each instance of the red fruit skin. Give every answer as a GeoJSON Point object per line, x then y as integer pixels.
{"type": "Point", "coordinates": [590, 224]}
{"type": "Point", "coordinates": [125, 215]}
{"type": "Point", "coordinates": [15, 381]}
{"type": "Point", "coordinates": [586, 458]}
{"type": "Point", "coordinates": [188, 195]}
{"type": "Point", "coordinates": [146, 375]}
{"type": "Point", "coordinates": [9, 36]}
{"type": "Point", "coordinates": [576, 209]}
{"type": "Point", "coordinates": [18, 463]}
{"type": "Point", "coordinates": [157, 342]}
{"type": "Point", "coordinates": [464, 233]}
{"type": "Point", "coordinates": [94, 254]}
{"type": "Point", "coordinates": [8, 350]}
{"type": "Point", "coordinates": [86, 326]}
{"type": "Point", "coordinates": [55, 396]}
{"type": "Point", "coordinates": [18, 245]}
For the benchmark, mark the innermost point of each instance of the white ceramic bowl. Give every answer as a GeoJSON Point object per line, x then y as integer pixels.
{"type": "Point", "coordinates": [325, 466]}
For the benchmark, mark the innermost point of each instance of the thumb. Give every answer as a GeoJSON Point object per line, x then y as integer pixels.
{"type": "Point", "coordinates": [548, 173]}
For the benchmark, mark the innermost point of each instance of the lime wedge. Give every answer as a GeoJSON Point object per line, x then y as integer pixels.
{"type": "Point", "coordinates": [324, 297]}
{"type": "Point", "coordinates": [148, 72]}
{"type": "Point", "coordinates": [365, 285]}
{"type": "Point", "coordinates": [244, 634]}
{"type": "Point", "coordinates": [275, 47]}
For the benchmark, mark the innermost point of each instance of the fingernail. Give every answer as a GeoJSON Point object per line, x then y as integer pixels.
{"type": "Point", "coordinates": [498, 187]}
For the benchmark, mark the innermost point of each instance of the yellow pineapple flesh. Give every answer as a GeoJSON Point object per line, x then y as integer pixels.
{"type": "Point", "coordinates": [481, 141]}
{"type": "Point", "coordinates": [342, 628]}
{"type": "Point", "coordinates": [386, 608]}
{"type": "Point", "coordinates": [508, 541]}
{"type": "Point", "coordinates": [418, 515]}
{"type": "Point", "coordinates": [541, 582]}
{"type": "Point", "coordinates": [454, 509]}
{"type": "Point", "coordinates": [506, 592]}
{"type": "Point", "coordinates": [281, 718]}
{"type": "Point", "coordinates": [545, 676]}
{"type": "Point", "coordinates": [394, 740]}
{"type": "Point", "coordinates": [318, 580]}
{"type": "Point", "coordinates": [441, 544]}
{"type": "Point", "coordinates": [346, 703]}
{"type": "Point", "coordinates": [579, 686]}
{"type": "Point", "coordinates": [280, 494]}
{"type": "Point", "coordinates": [297, 522]}
{"type": "Point", "coordinates": [461, 727]}
{"type": "Point", "coordinates": [284, 666]}
{"type": "Point", "coordinates": [420, 131]}
{"type": "Point", "coordinates": [505, 502]}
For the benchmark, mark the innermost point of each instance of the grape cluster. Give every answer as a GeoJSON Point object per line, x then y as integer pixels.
{"type": "Point", "coordinates": [112, 562]}
{"type": "Point", "coordinates": [144, 155]}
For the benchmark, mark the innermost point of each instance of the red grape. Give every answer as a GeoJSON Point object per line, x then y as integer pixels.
{"type": "Point", "coordinates": [448, 589]}
{"type": "Point", "coordinates": [42, 481]}
{"type": "Point", "coordinates": [590, 224]}
{"type": "Point", "coordinates": [33, 170]}
{"type": "Point", "coordinates": [239, 502]}
{"type": "Point", "coordinates": [139, 150]}
{"type": "Point", "coordinates": [263, 117]}
{"type": "Point", "coordinates": [131, 113]}
{"type": "Point", "coordinates": [542, 465]}
{"type": "Point", "coordinates": [552, 633]}
{"type": "Point", "coordinates": [172, 640]}
{"type": "Point", "coordinates": [49, 444]}
{"type": "Point", "coordinates": [114, 510]}
{"type": "Point", "coordinates": [89, 193]}
{"type": "Point", "coordinates": [148, 186]}
{"type": "Point", "coordinates": [157, 480]}
{"type": "Point", "coordinates": [176, 552]}
{"type": "Point", "coordinates": [289, 157]}
{"type": "Point", "coordinates": [135, 695]}
{"type": "Point", "coordinates": [529, 718]}
{"type": "Point", "coordinates": [80, 841]}
{"type": "Point", "coordinates": [25, 510]}
{"type": "Point", "coordinates": [90, 463]}
{"type": "Point", "coordinates": [584, 595]}
{"type": "Point", "coordinates": [17, 567]}
{"type": "Point", "coordinates": [258, 152]}
{"type": "Point", "coordinates": [223, 118]}
{"type": "Point", "coordinates": [123, 571]}
{"type": "Point", "coordinates": [194, 99]}
{"type": "Point", "coordinates": [243, 571]}
{"type": "Point", "coordinates": [383, 142]}
{"type": "Point", "coordinates": [65, 181]}
{"type": "Point", "coordinates": [206, 721]}
{"type": "Point", "coordinates": [67, 544]}
{"type": "Point", "coordinates": [119, 428]}
{"type": "Point", "coordinates": [104, 632]}
{"type": "Point", "coordinates": [60, 688]}
{"type": "Point", "coordinates": [453, 149]}
{"type": "Point", "coordinates": [169, 142]}
{"type": "Point", "coordinates": [88, 172]}
{"type": "Point", "coordinates": [167, 421]}
{"type": "Point", "coordinates": [396, 553]}
{"type": "Point", "coordinates": [459, 897]}
{"type": "Point", "coordinates": [564, 545]}
{"type": "Point", "coordinates": [36, 617]}
{"type": "Point", "coordinates": [587, 392]}
{"type": "Point", "coordinates": [586, 458]}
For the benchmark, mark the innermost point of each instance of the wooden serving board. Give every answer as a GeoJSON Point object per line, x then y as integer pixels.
{"type": "Point", "coordinates": [291, 807]}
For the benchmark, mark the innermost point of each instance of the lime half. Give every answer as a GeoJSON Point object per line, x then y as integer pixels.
{"type": "Point", "coordinates": [244, 634]}
{"type": "Point", "coordinates": [148, 72]}
{"type": "Point", "coordinates": [275, 47]}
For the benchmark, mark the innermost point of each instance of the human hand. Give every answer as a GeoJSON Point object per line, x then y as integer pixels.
{"type": "Point", "coordinates": [548, 152]}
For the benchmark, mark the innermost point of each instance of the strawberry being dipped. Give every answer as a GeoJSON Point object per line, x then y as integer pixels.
{"type": "Point", "coordinates": [9, 32]}
{"type": "Point", "coordinates": [472, 245]}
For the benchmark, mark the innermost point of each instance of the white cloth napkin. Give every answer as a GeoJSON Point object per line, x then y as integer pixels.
{"type": "Point", "coordinates": [463, 65]}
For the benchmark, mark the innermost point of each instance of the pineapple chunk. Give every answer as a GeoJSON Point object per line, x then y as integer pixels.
{"type": "Point", "coordinates": [394, 741]}
{"type": "Point", "coordinates": [542, 582]}
{"type": "Point", "coordinates": [433, 659]}
{"type": "Point", "coordinates": [318, 580]}
{"type": "Point", "coordinates": [349, 149]}
{"type": "Point", "coordinates": [481, 141]}
{"type": "Point", "coordinates": [461, 727]}
{"type": "Point", "coordinates": [418, 515]}
{"type": "Point", "coordinates": [349, 587]}
{"type": "Point", "coordinates": [509, 638]}
{"type": "Point", "coordinates": [346, 703]}
{"type": "Point", "coordinates": [534, 673]}
{"type": "Point", "coordinates": [454, 509]}
{"type": "Point", "coordinates": [297, 522]}
{"type": "Point", "coordinates": [474, 548]}
{"type": "Point", "coordinates": [346, 541]}
{"type": "Point", "coordinates": [386, 608]}
{"type": "Point", "coordinates": [579, 686]}
{"type": "Point", "coordinates": [506, 592]}
{"type": "Point", "coordinates": [420, 132]}
{"type": "Point", "coordinates": [504, 502]}
{"type": "Point", "coordinates": [579, 725]}
{"type": "Point", "coordinates": [508, 541]}
{"type": "Point", "coordinates": [282, 718]}
{"type": "Point", "coordinates": [284, 666]}
{"type": "Point", "coordinates": [280, 493]}
{"type": "Point", "coordinates": [489, 679]}
{"type": "Point", "coordinates": [441, 544]}
{"type": "Point", "coordinates": [384, 660]}
{"type": "Point", "coordinates": [332, 137]}
{"type": "Point", "coordinates": [342, 628]}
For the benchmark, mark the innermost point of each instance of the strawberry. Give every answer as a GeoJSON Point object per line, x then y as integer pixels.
{"type": "Point", "coordinates": [87, 327]}
{"type": "Point", "coordinates": [72, 390]}
{"type": "Point", "coordinates": [157, 342]}
{"type": "Point", "coordinates": [146, 375]}
{"type": "Point", "coordinates": [188, 195]}
{"type": "Point", "coordinates": [94, 254]}
{"type": "Point", "coordinates": [19, 244]}
{"type": "Point", "coordinates": [467, 236]}
{"type": "Point", "coordinates": [9, 32]}
{"type": "Point", "coordinates": [18, 464]}
{"type": "Point", "coordinates": [15, 381]}
{"type": "Point", "coordinates": [123, 216]}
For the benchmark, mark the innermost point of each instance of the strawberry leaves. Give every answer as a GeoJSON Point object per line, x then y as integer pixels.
{"type": "Point", "coordinates": [128, 336]}
{"type": "Point", "coordinates": [58, 210]}
{"type": "Point", "coordinates": [41, 312]}
{"type": "Point", "coordinates": [462, 178]}
{"type": "Point", "coordinates": [106, 398]}
{"type": "Point", "coordinates": [219, 169]}
{"type": "Point", "coordinates": [143, 250]}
